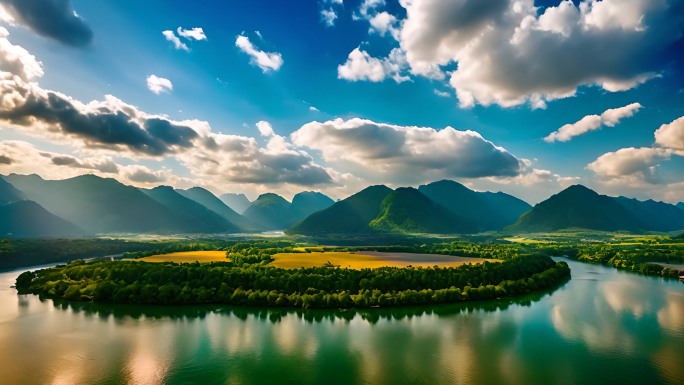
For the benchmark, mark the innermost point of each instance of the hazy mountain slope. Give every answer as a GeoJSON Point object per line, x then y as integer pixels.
{"type": "Point", "coordinates": [9, 193]}
{"type": "Point", "coordinates": [99, 205]}
{"type": "Point", "coordinates": [271, 211]}
{"type": "Point", "coordinates": [407, 210]}
{"type": "Point", "coordinates": [308, 202]}
{"type": "Point", "coordinates": [27, 219]}
{"type": "Point", "coordinates": [191, 216]}
{"type": "Point", "coordinates": [213, 203]}
{"type": "Point", "coordinates": [237, 202]}
{"type": "Point", "coordinates": [680, 205]}
{"type": "Point", "coordinates": [492, 211]}
{"type": "Point", "coordinates": [652, 215]}
{"type": "Point", "coordinates": [577, 206]}
{"type": "Point", "coordinates": [349, 216]}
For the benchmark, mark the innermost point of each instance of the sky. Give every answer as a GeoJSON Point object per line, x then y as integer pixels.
{"type": "Point", "coordinates": [521, 96]}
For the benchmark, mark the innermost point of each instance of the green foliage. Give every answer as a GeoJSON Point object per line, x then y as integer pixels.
{"type": "Point", "coordinates": [244, 283]}
{"type": "Point", "coordinates": [407, 210]}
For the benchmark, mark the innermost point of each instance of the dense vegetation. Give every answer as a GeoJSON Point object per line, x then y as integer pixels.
{"type": "Point", "coordinates": [248, 281]}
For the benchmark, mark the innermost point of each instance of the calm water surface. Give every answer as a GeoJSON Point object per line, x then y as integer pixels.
{"type": "Point", "coordinates": [603, 326]}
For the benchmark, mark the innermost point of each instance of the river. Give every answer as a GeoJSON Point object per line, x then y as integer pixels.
{"type": "Point", "coordinates": [603, 326]}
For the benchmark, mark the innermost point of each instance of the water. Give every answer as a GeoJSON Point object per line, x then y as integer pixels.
{"type": "Point", "coordinates": [603, 326]}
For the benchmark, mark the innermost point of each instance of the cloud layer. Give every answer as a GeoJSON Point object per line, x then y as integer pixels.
{"type": "Point", "coordinates": [511, 52]}
{"type": "Point", "coordinates": [54, 19]}
{"type": "Point", "coordinates": [402, 154]}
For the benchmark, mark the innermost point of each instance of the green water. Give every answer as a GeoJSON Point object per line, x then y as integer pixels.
{"type": "Point", "coordinates": [602, 327]}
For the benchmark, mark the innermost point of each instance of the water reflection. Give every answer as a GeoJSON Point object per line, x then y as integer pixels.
{"type": "Point", "coordinates": [601, 327]}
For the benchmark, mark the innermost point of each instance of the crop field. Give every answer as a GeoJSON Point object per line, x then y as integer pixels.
{"type": "Point", "coordinates": [368, 259]}
{"type": "Point", "coordinates": [189, 256]}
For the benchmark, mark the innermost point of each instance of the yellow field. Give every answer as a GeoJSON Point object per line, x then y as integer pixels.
{"type": "Point", "coordinates": [355, 260]}
{"type": "Point", "coordinates": [188, 256]}
{"type": "Point", "coordinates": [524, 240]}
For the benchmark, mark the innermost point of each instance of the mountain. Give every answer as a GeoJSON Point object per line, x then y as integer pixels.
{"type": "Point", "coordinates": [210, 201]}
{"type": "Point", "coordinates": [100, 205]}
{"type": "Point", "coordinates": [492, 211]}
{"type": "Point", "coordinates": [652, 215]}
{"type": "Point", "coordinates": [308, 202]}
{"type": "Point", "coordinates": [9, 193]}
{"type": "Point", "coordinates": [577, 206]}
{"type": "Point", "coordinates": [680, 205]}
{"type": "Point", "coordinates": [271, 211]}
{"type": "Point", "coordinates": [28, 219]}
{"type": "Point", "coordinates": [349, 216]}
{"type": "Point", "coordinates": [407, 210]}
{"type": "Point", "coordinates": [191, 216]}
{"type": "Point", "coordinates": [237, 202]}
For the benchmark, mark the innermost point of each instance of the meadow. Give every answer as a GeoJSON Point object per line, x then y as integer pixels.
{"type": "Point", "coordinates": [368, 260]}
{"type": "Point", "coordinates": [189, 257]}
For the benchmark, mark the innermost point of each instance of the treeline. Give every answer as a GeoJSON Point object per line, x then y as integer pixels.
{"type": "Point", "coordinates": [636, 258]}
{"type": "Point", "coordinates": [28, 252]}
{"type": "Point", "coordinates": [260, 285]}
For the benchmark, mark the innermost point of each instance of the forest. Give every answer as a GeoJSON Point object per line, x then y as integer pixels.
{"type": "Point", "coordinates": [250, 282]}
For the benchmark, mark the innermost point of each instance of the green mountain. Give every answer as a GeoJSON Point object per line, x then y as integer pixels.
{"type": "Point", "coordinates": [27, 219]}
{"type": "Point", "coordinates": [237, 202]}
{"type": "Point", "coordinates": [192, 216]}
{"type": "Point", "coordinates": [271, 212]}
{"type": "Point", "coordinates": [680, 205]}
{"type": "Point", "coordinates": [210, 201]}
{"type": "Point", "coordinates": [9, 193]}
{"type": "Point", "coordinates": [577, 207]}
{"type": "Point", "coordinates": [492, 211]}
{"type": "Point", "coordinates": [308, 202]}
{"type": "Point", "coordinates": [100, 205]}
{"type": "Point", "coordinates": [652, 215]}
{"type": "Point", "coordinates": [407, 210]}
{"type": "Point", "coordinates": [349, 216]}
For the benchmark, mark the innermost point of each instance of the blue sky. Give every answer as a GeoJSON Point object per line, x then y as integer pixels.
{"type": "Point", "coordinates": [281, 96]}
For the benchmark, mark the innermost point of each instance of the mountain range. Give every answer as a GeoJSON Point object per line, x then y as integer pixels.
{"type": "Point", "coordinates": [31, 206]}
{"type": "Point", "coordinates": [580, 207]}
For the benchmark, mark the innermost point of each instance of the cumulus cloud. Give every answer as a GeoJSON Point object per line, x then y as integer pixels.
{"type": "Point", "coordinates": [265, 128]}
{"type": "Point", "coordinates": [196, 33]}
{"type": "Point", "coordinates": [144, 175]}
{"type": "Point", "coordinates": [404, 154]}
{"type": "Point", "coordinates": [671, 135]}
{"type": "Point", "coordinates": [159, 85]}
{"type": "Point", "coordinates": [630, 161]}
{"type": "Point", "coordinates": [361, 66]}
{"type": "Point", "coordinates": [511, 52]}
{"type": "Point", "coordinates": [328, 16]}
{"type": "Point", "coordinates": [588, 123]}
{"type": "Point", "coordinates": [267, 61]}
{"type": "Point", "coordinates": [54, 19]}
{"type": "Point", "coordinates": [177, 43]}
{"type": "Point", "coordinates": [16, 60]}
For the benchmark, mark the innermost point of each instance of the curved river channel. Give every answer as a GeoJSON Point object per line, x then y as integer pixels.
{"type": "Point", "coordinates": [603, 326]}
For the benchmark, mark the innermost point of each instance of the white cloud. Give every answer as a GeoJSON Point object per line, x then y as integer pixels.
{"type": "Point", "coordinates": [361, 66]}
{"type": "Point", "coordinates": [442, 93]}
{"type": "Point", "coordinates": [17, 61]}
{"type": "Point", "coordinates": [267, 61]}
{"type": "Point", "coordinates": [159, 85]}
{"type": "Point", "coordinates": [671, 135]}
{"type": "Point", "coordinates": [196, 33]}
{"type": "Point", "coordinates": [383, 22]}
{"type": "Point", "coordinates": [328, 16]}
{"type": "Point", "coordinates": [403, 154]}
{"type": "Point", "coordinates": [177, 43]}
{"type": "Point", "coordinates": [510, 52]}
{"type": "Point", "coordinates": [588, 123]}
{"type": "Point", "coordinates": [312, 108]}
{"type": "Point", "coordinates": [265, 128]}
{"type": "Point", "coordinates": [630, 162]}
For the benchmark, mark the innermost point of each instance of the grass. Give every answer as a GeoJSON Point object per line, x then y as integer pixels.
{"type": "Point", "coordinates": [354, 260]}
{"type": "Point", "coordinates": [189, 256]}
